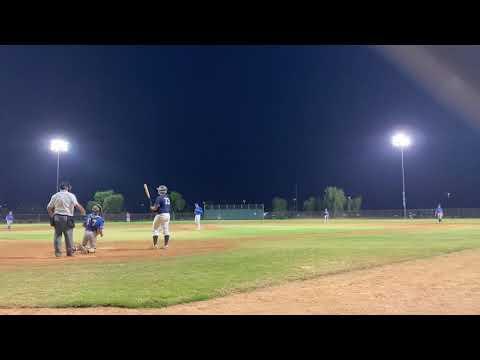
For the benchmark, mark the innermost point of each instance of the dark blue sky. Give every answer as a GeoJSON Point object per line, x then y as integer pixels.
{"type": "Point", "coordinates": [222, 123]}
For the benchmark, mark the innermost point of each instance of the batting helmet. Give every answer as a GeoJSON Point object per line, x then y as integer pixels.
{"type": "Point", "coordinates": [96, 208]}
{"type": "Point", "coordinates": [162, 190]}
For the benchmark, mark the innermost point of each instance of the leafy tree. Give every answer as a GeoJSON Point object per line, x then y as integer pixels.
{"type": "Point", "coordinates": [100, 196]}
{"type": "Point", "coordinates": [108, 200]}
{"type": "Point", "coordinates": [310, 204]}
{"type": "Point", "coordinates": [357, 203]}
{"type": "Point", "coordinates": [279, 204]}
{"type": "Point", "coordinates": [349, 205]}
{"type": "Point", "coordinates": [113, 203]}
{"type": "Point", "coordinates": [334, 199]}
{"type": "Point", "coordinates": [177, 201]}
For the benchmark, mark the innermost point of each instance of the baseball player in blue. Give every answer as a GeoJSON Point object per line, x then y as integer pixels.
{"type": "Point", "coordinates": [327, 215]}
{"type": "Point", "coordinates": [94, 224]}
{"type": "Point", "coordinates": [162, 220]}
{"type": "Point", "coordinates": [9, 220]}
{"type": "Point", "coordinates": [439, 213]}
{"type": "Point", "coordinates": [198, 215]}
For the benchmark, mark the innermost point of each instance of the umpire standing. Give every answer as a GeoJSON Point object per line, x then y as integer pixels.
{"type": "Point", "coordinates": [60, 209]}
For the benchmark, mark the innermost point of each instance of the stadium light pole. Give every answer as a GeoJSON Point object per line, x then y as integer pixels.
{"type": "Point", "coordinates": [402, 141]}
{"type": "Point", "coordinates": [58, 146]}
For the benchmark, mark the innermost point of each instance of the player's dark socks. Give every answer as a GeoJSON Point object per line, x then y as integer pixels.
{"type": "Point", "coordinates": [155, 240]}
{"type": "Point", "coordinates": [167, 237]}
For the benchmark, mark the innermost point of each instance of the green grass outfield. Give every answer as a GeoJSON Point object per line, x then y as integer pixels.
{"type": "Point", "coordinates": [262, 253]}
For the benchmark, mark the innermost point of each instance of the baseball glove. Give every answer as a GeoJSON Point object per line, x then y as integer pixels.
{"type": "Point", "coordinates": [52, 221]}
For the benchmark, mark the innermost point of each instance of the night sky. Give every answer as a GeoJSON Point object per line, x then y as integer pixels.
{"type": "Point", "coordinates": [228, 123]}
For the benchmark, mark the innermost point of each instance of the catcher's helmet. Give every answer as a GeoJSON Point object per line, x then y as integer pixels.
{"type": "Point", "coordinates": [162, 190]}
{"type": "Point", "coordinates": [96, 208]}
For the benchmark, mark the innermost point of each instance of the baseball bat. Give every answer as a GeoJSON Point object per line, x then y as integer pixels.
{"type": "Point", "coordinates": [145, 187]}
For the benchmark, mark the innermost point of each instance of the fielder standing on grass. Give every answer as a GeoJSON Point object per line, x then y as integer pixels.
{"type": "Point", "coordinates": [9, 220]}
{"type": "Point", "coordinates": [327, 215]}
{"type": "Point", "coordinates": [439, 213]}
{"type": "Point", "coordinates": [162, 220]}
{"type": "Point", "coordinates": [60, 209]}
{"type": "Point", "coordinates": [198, 215]}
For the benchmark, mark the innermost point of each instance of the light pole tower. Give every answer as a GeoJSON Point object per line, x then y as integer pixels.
{"type": "Point", "coordinates": [402, 141]}
{"type": "Point", "coordinates": [58, 146]}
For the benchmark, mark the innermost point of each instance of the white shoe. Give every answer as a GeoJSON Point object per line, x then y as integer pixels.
{"type": "Point", "coordinates": [165, 246]}
{"type": "Point", "coordinates": [155, 246]}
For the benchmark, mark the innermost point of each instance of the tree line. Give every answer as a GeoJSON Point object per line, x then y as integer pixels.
{"type": "Point", "coordinates": [333, 199]}
{"type": "Point", "coordinates": [113, 203]}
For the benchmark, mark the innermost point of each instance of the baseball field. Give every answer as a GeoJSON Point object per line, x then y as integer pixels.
{"type": "Point", "coordinates": [289, 262]}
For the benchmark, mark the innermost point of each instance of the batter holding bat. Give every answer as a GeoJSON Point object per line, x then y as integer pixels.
{"type": "Point", "coordinates": [161, 207]}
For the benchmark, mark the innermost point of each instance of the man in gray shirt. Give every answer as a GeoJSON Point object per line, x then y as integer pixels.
{"type": "Point", "coordinates": [60, 209]}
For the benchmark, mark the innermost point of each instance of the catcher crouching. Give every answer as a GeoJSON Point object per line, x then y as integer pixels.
{"type": "Point", "coordinates": [93, 224]}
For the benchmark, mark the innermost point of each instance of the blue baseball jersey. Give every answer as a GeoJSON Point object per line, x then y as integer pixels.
{"type": "Point", "coordinates": [9, 217]}
{"type": "Point", "coordinates": [326, 212]}
{"type": "Point", "coordinates": [198, 210]}
{"type": "Point", "coordinates": [94, 222]}
{"type": "Point", "coordinates": [162, 204]}
{"type": "Point", "coordinates": [439, 210]}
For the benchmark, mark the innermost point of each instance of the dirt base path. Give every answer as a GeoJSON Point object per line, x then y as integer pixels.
{"type": "Point", "coordinates": [447, 284]}
{"type": "Point", "coordinates": [14, 255]}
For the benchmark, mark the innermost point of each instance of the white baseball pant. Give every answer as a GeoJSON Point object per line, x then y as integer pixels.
{"type": "Point", "coordinates": [197, 220]}
{"type": "Point", "coordinates": [90, 239]}
{"type": "Point", "coordinates": [161, 221]}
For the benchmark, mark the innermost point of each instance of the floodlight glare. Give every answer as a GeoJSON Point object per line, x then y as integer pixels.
{"type": "Point", "coordinates": [59, 145]}
{"type": "Point", "coordinates": [401, 140]}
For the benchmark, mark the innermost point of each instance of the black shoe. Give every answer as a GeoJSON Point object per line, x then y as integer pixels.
{"type": "Point", "coordinates": [70, 254]}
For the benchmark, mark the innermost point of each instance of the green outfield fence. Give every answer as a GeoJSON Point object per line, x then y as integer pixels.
{"type": "Point", "coordinates": [134, 217]}
{"type": "Point", "coordinates": [257, 212]}
{"type": "Point", "coordinates": [234, 212]}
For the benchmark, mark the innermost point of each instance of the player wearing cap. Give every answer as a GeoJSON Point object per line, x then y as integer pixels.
{"type": "Point", "coordinates": [198, 215]}
{"type": "Point", "coordinates": [326, 215]}
{"type": "Point", "coordinates": [439, 213]}
{"type": "Point", "coordinates": [9, 220]}
{"type": "Point", "coordinates": [161, 207]}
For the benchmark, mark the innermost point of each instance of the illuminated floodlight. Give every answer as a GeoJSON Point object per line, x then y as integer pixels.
{"type": "Point", "coordinates": [401, 140]}
{"type": "Point", "coordinates": [59, 145]}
